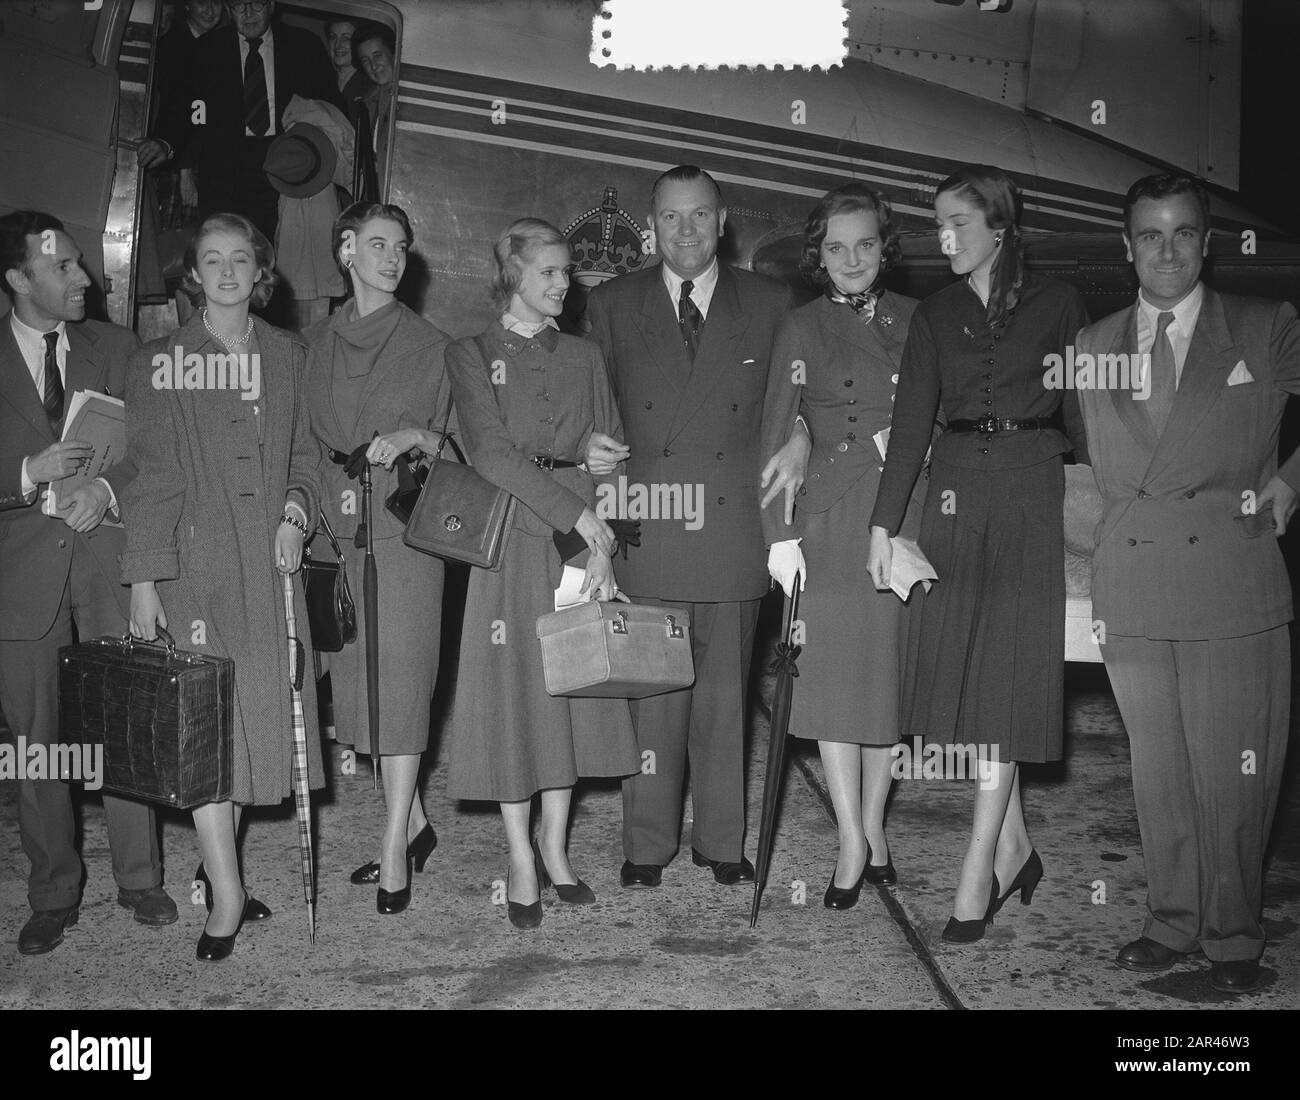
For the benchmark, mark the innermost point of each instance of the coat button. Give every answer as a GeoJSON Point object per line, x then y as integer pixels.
{"type": "Point", "coordinates": [853, 419]}
{"type": "Point", "coordinates": [848, 381]}
{"type": "Point", "coordinates": [1190, 493]}
{"type": "Point", "coordinates": [63, 544]}
{"type": "Point", "coordinates": [718, 456]}
{"type": "Point", "coordinates": [734, 408]}
{"type": "Point", "coordinates": [1194, 540]}
{"type": "Point", "coordinates": [984, 450]}
{"type": "Point", "coordinates": [667, 453]}
{"type": "Point", "coordinates": [852, 436]}
{"type": "Point", "coordinates": [649, 404]}
{"type": "Point", "coordinates": [894, 378]}
{"type": "Point", "coordinates": [1132, 542]}
{"type": "Point", "coordinates": [722, 500]}
{"type": "Point", "coordinates": [842, 447]}
{"type": "Point", "coordinates": [1143, 494]}
{"type": "Point", "coordinates": [853, 400]}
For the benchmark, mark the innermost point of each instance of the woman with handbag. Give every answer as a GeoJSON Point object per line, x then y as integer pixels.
{"type": "Point", "coordinates": [986, 653]}
{"type": "Point", "coordinates": [227, 489]}
{"type": "Point", "coordinates": [379, 368]}
{"type": "Point", "coordinates": [528, 399]}
{"type": "Point", "coordinates": [849, 671]}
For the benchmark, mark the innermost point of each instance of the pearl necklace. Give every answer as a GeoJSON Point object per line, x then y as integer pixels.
{"type": "Point", "coordinates": [248, 332]}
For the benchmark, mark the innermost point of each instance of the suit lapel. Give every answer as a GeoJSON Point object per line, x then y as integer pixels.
{"type": "Point", "coordinates": [85, 368]}
{"type": "Point", "coordinates": [657, 324]}
{"type": "Point", "coordinates": [16, 385]}
{"type": "Point", "coordinates": [723, 327]}
{"type": "Point", "coordinates": [875, 340]}
{"type": "Point", "coordinates": [1132, 414]}
{"type": "Point", "coordinates": [1210, 356]}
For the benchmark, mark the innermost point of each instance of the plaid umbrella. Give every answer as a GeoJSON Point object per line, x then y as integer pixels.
{"type": "Point", "coordinates": [301, 797]}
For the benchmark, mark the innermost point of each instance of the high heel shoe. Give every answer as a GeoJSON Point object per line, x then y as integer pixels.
{"type": "Point", "coordinates": [426, 840]}
{"type": "Point", "coordinates": [254, 910]}
{"type": "Point", "coordinates": [395, 901]}
{"type": "Point", "coordinates": [846, 898]}
{"type": "Point", "coordinates": [968, 931]}
{"type": "Point", "coordinates": [216, 948]}
{"type": "Point", "coordinates": [882, 875]}
{"type": "Point", "coordinates": [524, 916]}
{"type": "Point", "coordinates": [1026, 881]}
{"type": "Point", "coordinates": [575, 893]}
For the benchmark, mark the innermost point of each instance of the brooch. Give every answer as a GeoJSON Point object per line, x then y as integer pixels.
{"type": "Point", "coordinates": [885, 319]}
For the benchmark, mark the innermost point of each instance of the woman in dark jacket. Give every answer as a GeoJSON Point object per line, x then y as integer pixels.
{"type": "Point", "coordinates": [985, 662]}
{"type": "Point", "coordinates": [226, 492]}
{"type": "Point", "coordinates": [379, 367]}
{"type": "Point", "coordinates": [528, 399]}
{"type": "Point", "coordinates": [849, 342]}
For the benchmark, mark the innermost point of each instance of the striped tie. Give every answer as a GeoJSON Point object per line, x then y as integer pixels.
{"type": "Point", "coordinates": [257, 110]}
{"type": "Point", "coordinates": [53, 382]}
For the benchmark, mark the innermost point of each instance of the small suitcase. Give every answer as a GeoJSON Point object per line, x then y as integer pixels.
{"type": "Point", "coordinates": [613, 650]}
{"type": "Point", "coordinates": [163, 716]}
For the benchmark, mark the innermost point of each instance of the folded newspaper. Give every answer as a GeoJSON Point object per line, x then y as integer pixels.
{"type": "Point", "coordinates": [99, 420]}
{"type": "Point", "coordinates": [909, 566]}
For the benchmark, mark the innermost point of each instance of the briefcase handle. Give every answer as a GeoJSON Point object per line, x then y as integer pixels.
{"type": "Point", "coordinates": [166, 639]}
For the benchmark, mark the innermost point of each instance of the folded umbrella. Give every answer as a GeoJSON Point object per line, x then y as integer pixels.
{"type": "Point", "coordinates": [787, 653]}
{"type": "Point", "coordinates": [358, 467]}
{"type": "Point", "coordinates": [301, 795]}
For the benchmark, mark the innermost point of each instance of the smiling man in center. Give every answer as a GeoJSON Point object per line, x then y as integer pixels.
{"type": "Point", "coordinates": [686, 344]}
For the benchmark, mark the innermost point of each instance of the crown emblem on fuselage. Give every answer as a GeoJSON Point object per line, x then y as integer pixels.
{"type": "Point", "coordinates": [606, 241]}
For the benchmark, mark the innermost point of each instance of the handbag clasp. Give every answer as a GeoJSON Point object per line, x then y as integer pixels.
{"type": "Point", "coordinates": [674, 631]}
{"type": "Point", "coordinates": [452, 522]}
{"type": "Point", "coordinates": [619, 623]}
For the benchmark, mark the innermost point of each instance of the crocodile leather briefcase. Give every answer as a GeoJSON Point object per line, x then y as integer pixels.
{"type": "Point", "coordinates": [616, 650]}
{"type": "Point", "coordinates": [164, 717]}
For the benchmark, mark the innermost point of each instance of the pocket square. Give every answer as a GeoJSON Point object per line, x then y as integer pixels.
{"type": "Point", "coordinates": [1240, 375]}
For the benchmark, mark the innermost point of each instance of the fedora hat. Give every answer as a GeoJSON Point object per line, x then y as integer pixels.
{"type": "Point", "coordinates": [301, 161]}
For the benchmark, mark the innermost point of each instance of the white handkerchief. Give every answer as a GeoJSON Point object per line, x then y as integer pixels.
{"type": "Point", "coordinates": [909, 566]}
{"type": "Point", "coordinates": [570, 585]}
{"type": "Point", "coordinates": [881, 440]}
{"type": "Point", "coordinates": [1240, 374]}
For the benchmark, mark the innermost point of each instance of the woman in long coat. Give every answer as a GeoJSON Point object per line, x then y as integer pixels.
{"type": "Point", "coordinates": [227, 489]}
{"type": "Point", "coordinates": [379, 367]}
{"type": "Point", "coordinates": [528, 399]}
{"type": "Point", "coordinates": [850, 342]}
{"type": "Point", "coordinates": [985, 661]}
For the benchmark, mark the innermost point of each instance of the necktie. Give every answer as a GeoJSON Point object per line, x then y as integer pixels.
{"type": "Point", "coordinates": [53, 382]}
{"type": "Point", "coordinates": [864, 305]}
{"type": "Point", "coordinates": [257, 111]}
{"type": "Point", "coordinates": [689, 319]}
{"type": "Point", "coordinates": [1164, 378]}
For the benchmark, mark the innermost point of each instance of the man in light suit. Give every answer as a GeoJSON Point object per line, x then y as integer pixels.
{"type": "Point", "coordinates": [59, 569]}
{"type": "Point", "coordinates": [243, 75]}
{"type": "Point", "coordinates": [686, 344]}
{"type": "Point", "coordinates": [1188, 581]}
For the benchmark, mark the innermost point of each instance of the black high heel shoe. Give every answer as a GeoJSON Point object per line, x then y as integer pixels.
{"type": "Point", "coordinates": [254, 910]}
{"type": "Point", "coordinates": [395, 901]}
{"type": "Point", "coordinates": [418, 850]}
{"type": "Point", "coordinates": [525, 916]}
{"type": "Point", "coordinates": [216, 948]}
{"type": "Point", "coordinates": [882, 875]}
{"type": "Point", "coordinates": [968, 931]}
{"type": "Point", "coordinates": [575, 893]}
{"type": "Point", "coordinates": [1026, 881]}
{"type": "Point", "coordinates": [840, 898]}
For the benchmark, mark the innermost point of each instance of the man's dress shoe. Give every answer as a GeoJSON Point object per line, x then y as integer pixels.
{"type": "Point", "coordinates": [640, 874]}
{"type": "Point", "coordinates": [728, 874]}
{"type": "Point", "coordinates": [1235, 976]}
{"type": "Point", "coordinates": [151, 905]}
{"type": "Point", "coordinates": [44, 931]}
{"type": "Point", "coordinates": [1148, 957]}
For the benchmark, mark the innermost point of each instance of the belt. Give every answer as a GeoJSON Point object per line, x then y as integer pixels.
{"type": "Point", "coordinates": [547, 462]}
{"type": "Point", "coordinates": [987, 425]}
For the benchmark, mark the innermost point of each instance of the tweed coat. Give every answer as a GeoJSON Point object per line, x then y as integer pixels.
{"type": "Point", "coordinates": [201, 518]}
{"type": "Point", "coordinates": [692, 425]}
{"type": "Point", "coordinates": [1179, 554]}
{"type": "Point", "coordinates": [36, 550]}
{"type": "Point", "coordinates": [407, 387]}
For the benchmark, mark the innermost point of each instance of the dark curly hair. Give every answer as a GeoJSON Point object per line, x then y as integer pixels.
{"type": "Point", "coordinates": [851, 198]}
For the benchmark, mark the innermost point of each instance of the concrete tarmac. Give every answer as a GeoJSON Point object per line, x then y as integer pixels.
{"type": "Point", "coordinates": [687, 944]}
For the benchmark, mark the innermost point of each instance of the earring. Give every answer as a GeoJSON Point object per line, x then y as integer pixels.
{"type": "Point", "coordinates": [997, 239]}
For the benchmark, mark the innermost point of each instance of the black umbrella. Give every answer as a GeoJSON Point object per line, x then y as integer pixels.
{"type": "Point", "coordinates": [358, 467]}
{"type": "Point", "coordinates": [787, 653]}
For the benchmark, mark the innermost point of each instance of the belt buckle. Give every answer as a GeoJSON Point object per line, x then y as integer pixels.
{"type": "Point", "coordinates": [544, 462]}
{"type": "Point", "coordinates": [987, 424]}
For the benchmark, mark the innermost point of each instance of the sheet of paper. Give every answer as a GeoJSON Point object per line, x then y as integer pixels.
{"type": "Point", "coordinates": [909, 566]}
{"type": "Point", "coordinates": [99, 420]}
{"type": "Point", "coordinates": [570, 585]}
{"type": "Point", "coordinates": [882, 441]}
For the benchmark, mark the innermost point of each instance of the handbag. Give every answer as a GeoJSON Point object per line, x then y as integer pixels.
{"type": "Point", "coordinates": [459, 515]}
{"type": "Point", "coordinates": [162, 716]}
{"type": "Point", "coordinates": [609, 649]}
{"type": "Point", "coordinates": [331, 610]}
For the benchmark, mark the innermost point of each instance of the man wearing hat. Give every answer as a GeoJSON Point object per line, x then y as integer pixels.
{"type": "Point", "coordinates": [241, 80]}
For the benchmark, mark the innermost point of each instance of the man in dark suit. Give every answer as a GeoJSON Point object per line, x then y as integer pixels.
{"type": "Point", "coordinates": [686, 344]}
{"type": "Point", "coordinates": [1188, 580]}
{"type": "Point", "coordinates": [242, 78]}
{"type": "Point", "coordinates": [59, 569]}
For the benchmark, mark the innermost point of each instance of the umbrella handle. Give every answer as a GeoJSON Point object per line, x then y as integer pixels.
{"type": "Point", "coordinates": [792, 609]}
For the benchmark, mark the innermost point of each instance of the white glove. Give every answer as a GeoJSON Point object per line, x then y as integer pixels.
{"type": "Point", "coordinates": [784, 560]}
